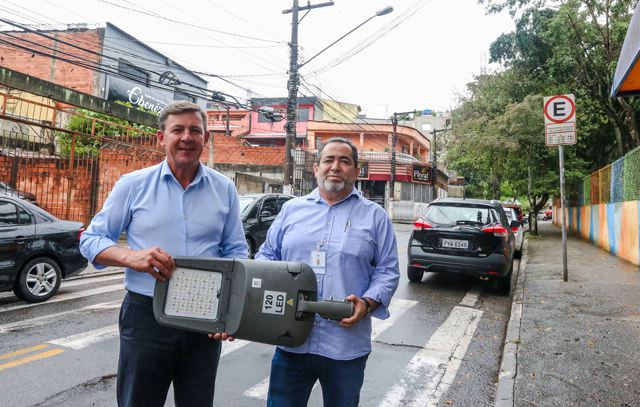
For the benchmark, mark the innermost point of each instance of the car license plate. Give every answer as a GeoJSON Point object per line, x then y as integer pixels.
{"type": "Point", "coordinates": [454, 243]}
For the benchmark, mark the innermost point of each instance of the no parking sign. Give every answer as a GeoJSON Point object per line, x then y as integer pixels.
{"type": "Point", "coordinates": [560, 120]}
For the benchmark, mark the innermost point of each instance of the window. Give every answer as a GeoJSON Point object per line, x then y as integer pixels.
{"type": "Point", "coordinates": [24, 217]}
{"type": "Point", "coordinates": [271, 205]}
{"type": "Point", "coordinates": [133, 72]}
{"type": "Point", "coordinates": [281, 202]}
{"type": "Point", "coordinates": [8, 214]}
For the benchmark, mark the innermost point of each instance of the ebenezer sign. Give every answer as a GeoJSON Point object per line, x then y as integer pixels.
{"type": "Point", "coordinates": [137, 94]}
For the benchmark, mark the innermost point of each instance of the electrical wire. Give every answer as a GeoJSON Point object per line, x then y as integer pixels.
{"type": "Point", "coordinates": [119, 49]}
{"type": "Point", "coordinates": [186, 23]}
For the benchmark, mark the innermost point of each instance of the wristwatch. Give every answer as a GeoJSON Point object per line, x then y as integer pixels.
{"type": "Point", "coordinates": [370, 308]}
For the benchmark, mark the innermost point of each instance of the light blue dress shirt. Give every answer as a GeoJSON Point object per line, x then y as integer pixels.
{"type": "Point", "coordinates": [154, 210]}
{"type": "Point", "coordinates": [361, 259]}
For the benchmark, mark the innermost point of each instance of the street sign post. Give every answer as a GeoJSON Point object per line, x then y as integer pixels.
{"type": "Point", "coordinates": [560, 130]}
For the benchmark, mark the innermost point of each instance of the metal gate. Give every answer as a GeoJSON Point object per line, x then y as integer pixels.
{"type": "Point", "coordinates": [67, 159]}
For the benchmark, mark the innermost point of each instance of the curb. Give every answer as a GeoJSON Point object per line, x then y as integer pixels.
{"type": "Point", "coordinates": [508, 368]}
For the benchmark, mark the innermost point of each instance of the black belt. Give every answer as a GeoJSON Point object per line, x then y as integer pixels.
{"type": "Point", "coordinates": [141, 298]}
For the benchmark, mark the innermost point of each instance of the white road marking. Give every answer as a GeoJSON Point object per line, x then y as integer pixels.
{"type": "Point", "coordinates": [432, 368]}
{"type": "Point", "coordinates": [397, 308]}
{"type": "Point", "coordinates": [471, 298]}
{"type": "Point", "coordinates": [84, 339]}
{"type": "Point", "coordinates": [228, 347]}
{"type": "Point", "coordinates": [90, 280]}
{"type": "Point", "coordinates": [66, 297]}
{"type": "Point", "coordinates": [38, 321]}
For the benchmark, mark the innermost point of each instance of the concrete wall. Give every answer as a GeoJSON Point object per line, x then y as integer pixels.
{"type": "Point", "coordinates": [612, 226]}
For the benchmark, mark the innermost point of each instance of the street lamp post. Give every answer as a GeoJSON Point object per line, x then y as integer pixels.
{"type": "Point", "coordinates": [394, 142]}
{"type": "Point", "coordinates": [293, 82]}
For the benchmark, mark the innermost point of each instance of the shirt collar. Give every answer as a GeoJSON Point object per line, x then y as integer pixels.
{"type": "Point", "coordinates": [315, 195]}
{"type": "Point", "coordinates": [165, 172]}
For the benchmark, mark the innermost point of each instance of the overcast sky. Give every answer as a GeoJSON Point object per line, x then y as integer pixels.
{"type": "Point", "coordinates": [423, 63]}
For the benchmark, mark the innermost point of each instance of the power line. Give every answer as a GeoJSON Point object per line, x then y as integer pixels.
{"type": "Point", "coordinates": [188, 24]}
{"type": "Point", "coordinates": [104, 56]}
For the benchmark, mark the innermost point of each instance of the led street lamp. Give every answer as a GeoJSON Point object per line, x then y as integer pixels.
{"type": "Point", "coordinates": [271, 302]}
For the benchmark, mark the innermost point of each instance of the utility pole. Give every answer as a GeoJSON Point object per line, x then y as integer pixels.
{"type": "Point", "coordinates": [434, 164]}
{"type": "Point", "coordinates": [394, 143]}
{"type": "Point", "coordinates": [292, 86]}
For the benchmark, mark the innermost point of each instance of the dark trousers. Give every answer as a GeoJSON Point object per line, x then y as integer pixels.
{"type": "Point", "coordinates": [152, 356]}
{"type": "Point", "coordinates": [293, 376]}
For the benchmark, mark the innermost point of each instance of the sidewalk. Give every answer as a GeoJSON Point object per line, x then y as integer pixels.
{"type": "Point", "coordinates": [575, 343]}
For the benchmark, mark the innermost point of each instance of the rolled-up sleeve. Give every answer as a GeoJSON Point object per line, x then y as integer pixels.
{"type": "Point", "coordinates": [108, 224]}
{"type": "Point", "coordinates": [386, 274]}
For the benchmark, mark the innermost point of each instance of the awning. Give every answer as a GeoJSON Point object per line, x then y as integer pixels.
{"type": "Point", "coordinates": [626, 81]}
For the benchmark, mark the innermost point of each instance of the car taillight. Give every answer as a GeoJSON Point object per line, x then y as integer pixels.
{"type": "Point", "coordinates": [497, 230]}
{"type": "Point", "coordinates": [421, 224]}
{"type": "Point", "coordinates": [515, 229]}
{"type": "Point", "coordinates": [80, 233]}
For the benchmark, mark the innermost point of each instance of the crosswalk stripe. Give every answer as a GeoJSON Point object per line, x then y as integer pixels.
{"type": "Point", "coordinates": [38, 321]}
{"type": "Point", "coordinates": [228, 347]}
{"type": "Point", "coordinates": [67, 297]}
{"type": "Point", "coordinates": [397, 308]}
{"type": "Point", "coordinates": [91, 280]}
{"type": "Point", "coordinates": [84, 339]}
{"type": "Point", "coordinates": [428, 366]}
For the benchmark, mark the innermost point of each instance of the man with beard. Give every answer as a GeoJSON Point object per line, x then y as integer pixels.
{"type": "Point", "coordinates": [350, 244]}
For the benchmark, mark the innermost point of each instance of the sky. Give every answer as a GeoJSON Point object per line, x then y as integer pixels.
{"type": "Point", "coordinates": [435, 48]}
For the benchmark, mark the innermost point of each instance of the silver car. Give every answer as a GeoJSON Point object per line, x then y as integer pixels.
{"type": "Point", "coordinates": [518, 231]}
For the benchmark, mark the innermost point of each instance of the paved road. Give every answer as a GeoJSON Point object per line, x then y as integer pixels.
{"type": "Point", "coordinates": [441, 346]}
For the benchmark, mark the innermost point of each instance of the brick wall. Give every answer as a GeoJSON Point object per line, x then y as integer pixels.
{"type": "Point", "coordinates": [55, 70]}
{"type": "Point", "coordinates": [230, 150]}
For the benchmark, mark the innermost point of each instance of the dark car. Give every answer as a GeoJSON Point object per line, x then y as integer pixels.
{"type": "Point", "coordinates": [258, 212]}
{"type": "Point", "coordinates": [37, 250]}
{"type": "Point", "coordinates": [465, 236]}
{"type": "Point", "coordinates": [6, 189]}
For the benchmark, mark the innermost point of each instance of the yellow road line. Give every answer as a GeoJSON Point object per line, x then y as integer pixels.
{"type": "Point", "coordinates": [42, 355]}
{"type": "Point", "coordinates": [23, 351]}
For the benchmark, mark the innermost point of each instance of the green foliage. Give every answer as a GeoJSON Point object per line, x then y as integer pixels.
{"type": "Point", "coordinates": [631, 180]}
{"type": "Point", "coordinates": [82, 123]}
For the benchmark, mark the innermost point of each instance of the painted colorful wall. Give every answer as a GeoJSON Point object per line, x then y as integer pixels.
{"type": "Point", "coordinates": [612, 226]}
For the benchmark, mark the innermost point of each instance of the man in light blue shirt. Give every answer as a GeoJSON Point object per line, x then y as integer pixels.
{"type": "Point", "coordinates": [176, 208]}
{"type": "Point", "coordinates": [350, 244]}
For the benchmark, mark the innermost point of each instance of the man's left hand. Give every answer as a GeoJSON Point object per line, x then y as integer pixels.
{"type": "Point", "coordinates": [359, 311]}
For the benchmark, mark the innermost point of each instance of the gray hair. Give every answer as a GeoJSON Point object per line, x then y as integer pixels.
{"type": "Point", "coordinates": [180, 106]}
{"type": "Point", "coordinates": [354, 150]}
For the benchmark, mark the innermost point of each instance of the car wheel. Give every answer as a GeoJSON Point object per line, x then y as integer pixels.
{"type": "Point", "coordinates": [503, 284]}
{"type": "Point", "coordinates": [39, 280]}
{"type": "Point", "coordinates": [415, 274]}
{"type": "Point", "coordinates": [250, 248]}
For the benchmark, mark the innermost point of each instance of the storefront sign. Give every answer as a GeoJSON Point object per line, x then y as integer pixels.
{"type": "Point", "coordinates": [138, 94]}
{"type": "Point", "coordinates": [421, 173]}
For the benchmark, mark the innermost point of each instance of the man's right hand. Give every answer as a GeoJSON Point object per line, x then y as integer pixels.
{"type": "Point", "coordinates": [154, 260]}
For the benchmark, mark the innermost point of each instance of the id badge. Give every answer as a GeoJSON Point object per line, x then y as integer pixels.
{"type": "Point", "coordinates": [318, 261]}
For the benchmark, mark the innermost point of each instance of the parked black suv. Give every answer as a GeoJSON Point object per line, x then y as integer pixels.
{"type": "Point", "coordinates": [466, 236]}
{"type": "Point", "coordinates": [37, 250]}
{"type": "Point", "coordinates": [258, 212]}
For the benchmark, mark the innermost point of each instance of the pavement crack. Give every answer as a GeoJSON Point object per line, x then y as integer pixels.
{"type": "Point", "coordinates": [94, 384]}
{"type": "Point", "coordinates": [399, 345]}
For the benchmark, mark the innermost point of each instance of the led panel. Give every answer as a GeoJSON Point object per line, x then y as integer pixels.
{"type": "Point", "coordinates": [193, 293]}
